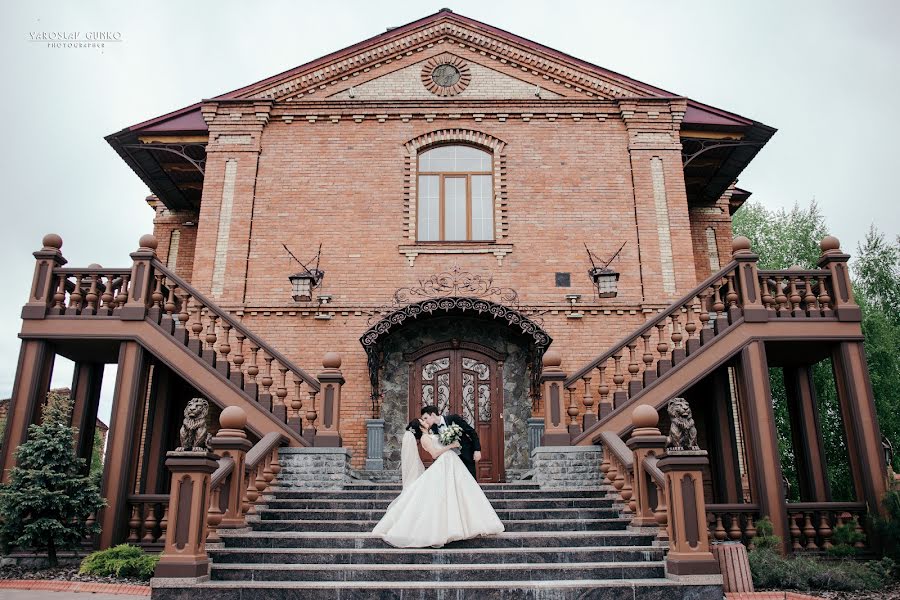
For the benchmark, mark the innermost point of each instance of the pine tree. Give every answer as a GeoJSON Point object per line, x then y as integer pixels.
{"type": "Point", "coordinates": [48, 499]}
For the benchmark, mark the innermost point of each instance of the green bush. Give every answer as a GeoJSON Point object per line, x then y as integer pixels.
{"type": "Point", "coordinates": [120, 561]}
{"type": "Point", "coordinates": [771, 570]}
{"type": "Point", "coordinates": [844, 539]}
{"type": "Point", "coordinates": [764, 535]}
{"type": "Point", "coordinates": [887, 530]}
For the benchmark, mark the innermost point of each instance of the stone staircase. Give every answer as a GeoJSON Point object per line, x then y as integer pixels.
{"type": "Point", "coordinates": [316, 544]}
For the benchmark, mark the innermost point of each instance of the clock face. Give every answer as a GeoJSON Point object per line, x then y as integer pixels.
{"type": "Point", "coordinates": [445, 75]}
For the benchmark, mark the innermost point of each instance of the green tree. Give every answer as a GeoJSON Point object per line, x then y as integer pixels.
{"type": "Point", "coordinates": [48, 499]}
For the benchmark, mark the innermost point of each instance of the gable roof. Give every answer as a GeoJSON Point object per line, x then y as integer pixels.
{"type": "Point", "coordinates": [588, 78]}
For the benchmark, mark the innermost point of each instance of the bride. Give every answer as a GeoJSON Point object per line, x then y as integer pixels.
{"type": "Point", "coordinates": [439, 505]}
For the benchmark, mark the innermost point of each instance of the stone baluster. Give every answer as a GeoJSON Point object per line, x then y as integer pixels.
{"type": "Point", "coordinates": [122, 294]}
{"type": "Point", "coordinates": [309, 432]}
{"type": "Point", "coordinates": [646, 440]}
{"type": "Point", "coordinates": [180, 330]}
{"type": "Point", "coordinates": [59, 297]}
{"type": "Point", "coordinates": [134, 525]}
{"type": "Point", "coordinates": [223, 366]}
{"type": "Point", "coordinates": [605, 406]}
{"type": "Point", "coordinates": [809, 532]}
{"type": "Point", "coordinates": [809, 297]}
{"type": "Point", "coordinates": [731, 299]}
{"type": "Point", "coordinates": [252, 387]}
{"type": "Point", "coordinates": [572, 411]}
{"type": "Point", "coordinates": [149, 523]}
{"type": "Point", "coordinates": [824, 298]}
{"type": "Point", "coordinates": [634, 382]}
{"type": "Point", "coordinates": [649, 372]}
{"type": "Point", "coordinates": [332, 381]}
{"type": "Point", "coordinates": [795, 532]}
{"type": "Point", "coordinates": [231, 441]}
{"type": "Point", "coordinates": [678, 353]}
{"type": "Point", "coordinates": [168, 319]}
{"type": "Point", "coordinates": [620, 396]}
{"type": "Point", "coordinates": [237, 374]}
{"type": "Point", "coordinates": [767, 299]}
{"type": "Point", "coordinates": [795, 298]}
{"type": "Point", "coordinates": [718, 306]}
{"type": "Point", "coordinates": [719, 529]}
{"type": "Point", "coordinates": [49, 257]}
{"type": "Point", "coordinates": [693, 342]}
{"type": "Point", "coordinates": [214, 516]}
{"type": "Point", "coordinates": [281, 393]}
{"type": "Point", "coordinates": [76, 296]}
{"type": "Point", "coordinates": [781, 300]}
{"type": "Point", "coordinates": [706, 328]}
{"type": "Point", "coordinates": [164, 522]}
{"type": "Point", "coordinates": [141, 281]}
{"type": "Point", "coordinates": [195, 344]}
{"type": "Point", "coordinates": [587, 399]}
{"type": "Point", "coordinates": [210, 352]}
{"type": "Point", "coordinates": [662, 348]}
{"type": "Point", "coordinates": [661, 515]}
{"type": "Point", "coordinates": [552, 378]}
{"type": "Point", "coordinates": [92, 295]}
{"type": "Point", "coordinates": [750, 531]}
{"type": "Point", "coordinates": [825, 531]}
{"type": "Point", "coordinates": [734, 531]}
{"type": "Point", "coordinates": [265, 398]}
{"type": "Point", "coordinates": [155, 310]}
{"type": "Point", "coordinates": [184, 554]}
{"type": "Point", "coordinates": [295, 417]}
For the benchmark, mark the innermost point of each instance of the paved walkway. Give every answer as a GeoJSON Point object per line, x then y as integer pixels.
{"type": "Point", "coordinates": [42, 595]}
{"type": "Point", "coordinates": [13, 589]}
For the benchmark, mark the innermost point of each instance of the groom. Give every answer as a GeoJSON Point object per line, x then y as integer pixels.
{"type": "Point", "coordinates": [470, 450]}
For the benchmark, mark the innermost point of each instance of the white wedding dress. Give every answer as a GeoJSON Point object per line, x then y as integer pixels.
{"type": "Point", "coordinates": [438, 506]}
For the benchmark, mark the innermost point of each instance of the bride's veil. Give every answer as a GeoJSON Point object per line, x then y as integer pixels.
{"type": "Point", "coordinates": [411, 466]}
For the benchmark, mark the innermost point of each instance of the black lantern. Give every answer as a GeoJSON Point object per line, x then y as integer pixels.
{"type": "Point", "coordinates": [302, 284]}
{"type": "Point", "coordinates": [605, 280]}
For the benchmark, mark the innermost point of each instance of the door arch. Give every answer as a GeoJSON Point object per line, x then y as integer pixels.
{"type": "Point", "coordinates": [466, 379]}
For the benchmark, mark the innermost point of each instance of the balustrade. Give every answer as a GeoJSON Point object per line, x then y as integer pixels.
{"type": "Point", "coordinates": [732, 522]}
{"type": "Point", "coordinates": [812, 524]}
{"type": "Point", "coordinates": [148, 521]}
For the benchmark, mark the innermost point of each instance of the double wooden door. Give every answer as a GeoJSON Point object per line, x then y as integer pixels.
{"type": "Point", "coordinates": [464, 379]}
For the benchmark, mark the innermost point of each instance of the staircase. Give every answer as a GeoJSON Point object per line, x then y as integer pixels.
{"type": "Point", "coordinates": [316, 544]}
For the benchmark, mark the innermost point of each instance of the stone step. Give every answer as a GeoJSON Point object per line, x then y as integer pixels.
{"type": "Point", "coordinates": [365, 540]}
{"type": "Point", "coordinates": [574, 554]}
{"type": "Point", "coordinates": [307, 494]}
{"type": "Point", "coordinates": [586, 589]}
{"type": "Point", "coordinates": [558, 525]}
{"type": "Point", "coordinates": [353, 514]}
{"type": "Point", "coordinates": [437, 572]}
{"type": "Point", "coordinates": [363, 504]}
{"type": "Point", "coordinates": [286, 471]}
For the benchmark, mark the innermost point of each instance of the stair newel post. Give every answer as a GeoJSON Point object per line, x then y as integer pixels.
{"type": "Point", "coordinates": [620, 396]}
{"type": "Point", "coordinates": [689, 552]}
{"type": "Point", "coordinates": [210, 352]}
{"type": "Point", "coordinates": [49, 257]}
{"type": "Point", "coordinates": [224, 366]}
{"type": "Point", "coordinates": [605, 407]}
{"type": "Point", "coordinates": [751, 296]}
{"type": "Point", "coordinates": [295, 418]}
{"type": "Point", "coordinates": [309, 432]}
{"type": "Point", "coordinates": [231, 441]}
{"type": "Point", "coordinates": [649, 375]}
{"type": "Point", "coordinates": [552, 378]}
{"type": "Point", "coordinates": [646, 440]}
{"type": "Point", "coordinates": [572, 410]}
{"type": "Point", "coordinates": [237, 374]}
{"type": "Point", "coordinates": [834, 261]}
{"type": "Point", "coordinates": [142, 280]}
{"type": "Point", "coordinates": [184, 554]}
{"type": "Point", "coordinates": [265, 398]}
{"type": "Point", "coordinates": [332, 380]}
{"type": "Point", "coordinates": [590, 417]}
{"type": "Point", "coordinates": [281, 394]}
{"type": "Point", "coordinates": [634, 382]}
{"type": "Point", "coordinates": [252, 387]}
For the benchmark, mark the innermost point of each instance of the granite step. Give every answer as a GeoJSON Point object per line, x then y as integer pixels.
{"type": "Point", "coordinates": [353, 514]}
{"type": "Point", "coordinates": [350, 540]}
{"type": "Point", "coordinates": [508, 589]}
{"type": "Point", "coordinates": [438, 572]}
{"type": "Point", "coordinates": [363, 504]}
{"type": "Point", "coordinates": [285, 476]}
{"type": "Point", "coordinates": [558, 525]}
{"type": "Point", "coordinates": [353, 556]}
{"type": "Point", "coordinates": [307, 494]}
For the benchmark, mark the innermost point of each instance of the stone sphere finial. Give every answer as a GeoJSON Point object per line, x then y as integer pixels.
{"type": "Point", "coordinates": [644, 417]}
{"type": "Point", "coordinates": [830, 243]}
{"type": "Point", "coordinates": [148, 241]}
{"type": "Point", "coordinates": [740, 244]}
{"type": "Point", "coordinates": [95, 266]}
{"type": "Point", "coordinates": [52, 240]}
{"type": "Point", "coordinates": [331, 360]}
{"type": "Point", "coordinates": [233, 417]}
{"type": "Point", "coordinates": [552, 358]}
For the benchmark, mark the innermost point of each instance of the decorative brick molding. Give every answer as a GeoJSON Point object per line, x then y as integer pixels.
{"type": "Point", "coordinates": [462, 68]}
{"type": "Point", "coordinates": [464, 136]}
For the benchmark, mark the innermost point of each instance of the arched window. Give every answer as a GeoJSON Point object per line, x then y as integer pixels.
{"type": "Point", "coordinates": [456, 198]}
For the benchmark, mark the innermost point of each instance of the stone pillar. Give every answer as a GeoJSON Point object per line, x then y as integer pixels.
{"type": "Point", "coordinates": [43, 285]}
{"type": "Point", "coordinates": [86, 383]}
{"type": "Point", "coordinates": [689, 552]}
{"type": "Point", "coordinates": [331, 379]}
{"type": "Point", "coordinates": [375, 444]}
{"type": "Point", "coordinates": [805, 432]}
{"type": "Point", "coordinates": [535, 432]}
{"type": "Point", "coordinates": [29, 393]}
{"type": "Point", "coordinates": [140, 286]}
{"type": "Point", "coordinates": [747, 281]}
{"type": "Point", "coordinates": [646, 440]}
{"type": "Point", "coordinates": [556, 433]}
{"type": "Point", "coordinates": [184, 554]}
{"type": "Point", "coordinates": [231, 441]}
{"type": "Point", "coordinates": [867, 460]}
{"type": "Point", "coordinates": [835, 261]}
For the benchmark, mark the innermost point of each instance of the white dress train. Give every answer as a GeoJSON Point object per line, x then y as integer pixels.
{"type": "Point", "coordinates": [444, 504]}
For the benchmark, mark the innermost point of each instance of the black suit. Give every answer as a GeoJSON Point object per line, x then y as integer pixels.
{"type": "Point", "coordinates": [469, 442]}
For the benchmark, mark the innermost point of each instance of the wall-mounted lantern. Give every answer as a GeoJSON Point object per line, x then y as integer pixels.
{"type": "Point", "coordinates": [303, 282]}
{"type": "Point", "coordinates": [605, 279]}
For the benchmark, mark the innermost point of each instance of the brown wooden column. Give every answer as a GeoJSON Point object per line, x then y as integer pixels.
{"type": "Point", "coordinates": [157, 431]}
{"type": "Point", "coordinates": [29, 393]}
{"type": "Point", "coordinates": [723, 441]}
{"type": "Point", "coordinates": [806, 434]}
{"type": "Point", "coordinates": [123, 440]}
{"type": "Point", "coordinates": [861, 423]}
{"type": "Point", "coordinates": [86, 383]}
{"type": "Point", "coordinates": [762, 441]}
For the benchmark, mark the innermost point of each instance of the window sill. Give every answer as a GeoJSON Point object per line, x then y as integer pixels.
{"type": "Point", "coordinates": [411, 251]}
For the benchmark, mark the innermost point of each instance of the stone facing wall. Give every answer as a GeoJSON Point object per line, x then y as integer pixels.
{"type": "Point", "coordinates": [567, 466]}
{"type": "Point", "coordinates": [323, 468]}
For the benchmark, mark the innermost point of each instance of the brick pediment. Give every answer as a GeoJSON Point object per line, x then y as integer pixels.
{"type": "Point", "coordinates": [443, 32]}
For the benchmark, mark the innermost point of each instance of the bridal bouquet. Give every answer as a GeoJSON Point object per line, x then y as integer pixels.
{"type": "Point", "coordinates": [449, 434]}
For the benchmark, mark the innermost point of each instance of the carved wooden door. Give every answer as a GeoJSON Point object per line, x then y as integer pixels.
{"type": "Point", "coordinates": [463, 379]}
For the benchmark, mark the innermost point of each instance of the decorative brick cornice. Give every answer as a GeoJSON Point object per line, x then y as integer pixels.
{"type": "Point", "coordinates": [455, 35]}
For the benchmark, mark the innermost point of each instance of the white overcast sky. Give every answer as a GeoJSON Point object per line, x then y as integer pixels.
{"type": "Point", "coordinates": [825, 73]}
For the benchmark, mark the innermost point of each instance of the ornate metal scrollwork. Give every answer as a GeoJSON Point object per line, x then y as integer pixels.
{"type": "Point", "coordinates": [193, 153]}
{"type": "Point", "coordinates": [456, 282]}
{"type": "Point", "coordinates": [691, 148]}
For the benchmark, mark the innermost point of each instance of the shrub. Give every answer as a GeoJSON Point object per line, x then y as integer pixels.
{"type": "Point", "coordinates": [771, 570]}
{"type": "Point", "coordinates": [764, 535]}
{"type": "Point", "coordinates": [887, 530]}
{"type": "Point", "coordinates": [844, 539]}
{"type": "Point", "coordinates": [120, 561]}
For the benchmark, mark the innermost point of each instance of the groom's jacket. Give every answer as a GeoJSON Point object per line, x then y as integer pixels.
{"type": "Point", "coordinates": [469, 441]}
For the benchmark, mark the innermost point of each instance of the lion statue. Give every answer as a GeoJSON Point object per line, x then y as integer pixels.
{"type": "Point", "coordinates": [195, 430]}
{"type": "Point", "coordinates": [682, 433]}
